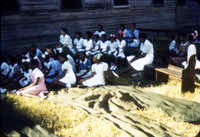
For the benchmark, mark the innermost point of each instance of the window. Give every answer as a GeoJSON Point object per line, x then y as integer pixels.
{"type": "Point", "coordinates": [120, 2]}
{"type": "Point", "coordinates": [180, 2]}
{"type": "Point", "coordinates": [9, 7]}
{"type": "Point", "coordinates": [158, 3]}
{"type": "Point", "coordinates": [71, 4]}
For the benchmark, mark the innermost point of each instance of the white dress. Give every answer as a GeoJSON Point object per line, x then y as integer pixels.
{"type": "Point", "coordinates": [104, 46]}
{"type": "Point", "coordinates": [69, 78]}
{"type": "Point", "coordinates": [98, 78]}
{"type": "Point", "coordinates": [145, 48]}
{"type": "Point", "coordinates": [121, 46]}
{"type": "Point", "coordinates": [88, 45]}
{"type": "Point", "coordinates": [113, 48]}
{"type": "Point", "coordinates": [99, 33]}
{"type": "Point", "coordinates": [190, 52]}
{"type": "Point", "coordinates": [79, 44]}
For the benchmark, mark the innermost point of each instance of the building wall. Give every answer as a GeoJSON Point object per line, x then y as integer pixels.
{"type": "Point", "coordinates": [39, 21]}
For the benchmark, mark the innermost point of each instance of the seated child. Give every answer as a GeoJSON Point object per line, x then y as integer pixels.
{"type": "Point", "coordinates": [83, 66]}
{"type": "Point", "coordinates": [98, 75]}
{"type": "Point", "coordinates": [68, 78]}
{"type": "Point", "coordinates": [38, 86]}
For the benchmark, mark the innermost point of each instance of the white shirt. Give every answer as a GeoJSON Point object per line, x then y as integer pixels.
{"type": "Point", "coordinates": [65, 40]}
{"type": "Point", "coordinates": [69, 77]}
{"type": "Point", "coordinates": [99, 33]}
{"type": "Point", "coordinates": [88, 44]}
{"type": "Point", "coordinates": [4, 68]}
{"type": "Point", "coordinates": [98, 78]}
{"type": "Point", "coordinates": [79, 44]}
{"type": "Point", "coordinates": [147, 48]}
{"type": "Point", "coordinates": [113, 46]}
{"type": "Point", "coordinates": [172, 45]}
{"type": "Point", "coordinates": [121, 46]}
{"type": "Point", "coordinates": [104, 45]}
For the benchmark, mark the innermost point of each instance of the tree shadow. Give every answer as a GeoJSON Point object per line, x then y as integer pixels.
{"type": "Point", "coordinates": [11, 119]}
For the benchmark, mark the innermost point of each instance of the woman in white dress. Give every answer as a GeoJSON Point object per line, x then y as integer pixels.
{"type": "Point", "coordinates": [97, 77]}
{"type": "Point", "coordinates": [88, 43]}
{"type": "Point", "coordinates": [147, 53]}
{"type": "Point", "coordinates": [68, 77]}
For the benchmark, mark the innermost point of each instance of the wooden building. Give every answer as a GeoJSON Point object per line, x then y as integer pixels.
{"type": "Point", "coordinates": [25, 22]}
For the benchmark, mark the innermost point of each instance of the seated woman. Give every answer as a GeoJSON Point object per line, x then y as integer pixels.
{"type": "Point", "coordinates": [38, 86]}
{"type": "Point", "coordinates": [98, 75]}
{"type": "Point", "coordinates": [173, 50]}
{"type": "Point", "coordinates": [68, 77]}
{"type": "Point", "coordinates": [83, 66]}
{"type": "Point", "coordinates": [146, 57]}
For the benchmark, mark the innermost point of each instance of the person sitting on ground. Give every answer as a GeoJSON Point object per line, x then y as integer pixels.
{"type": "Point", "coordinates": [66, 41]}
{"type": "Point", "coordinates": [104, 44]}
{"type": "Point", "coordinates": [133, 47]}
{"type": "Point", "coordinates": [68, 77]}
{"type": "Point", "coordinates": [38, 86]}
{"type": "Point", "coordinates": [146, 56]}
{"type": "Point", "coordinates": [83, 66]}
{"type": "Point", "coordinates": [96, 43]}
{"type": "Point", "coordinates": [88, 43]}
{"type": "Point", "coordinates": [132, 31]}
{"type": "Point", "coordinates": [98, 75]}
{"type": "Point", "coordinates": [100, 31]}
{"type": "Point", "coordinates": [78, 42]}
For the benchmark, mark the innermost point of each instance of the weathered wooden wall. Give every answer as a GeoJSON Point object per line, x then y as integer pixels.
{"type": "Point", "coordinates": [39, 21]}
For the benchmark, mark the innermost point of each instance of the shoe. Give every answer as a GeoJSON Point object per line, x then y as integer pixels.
{"type": "Point", "coordinates": [136, 75]}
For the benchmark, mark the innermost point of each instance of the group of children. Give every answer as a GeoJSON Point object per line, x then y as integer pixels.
{"type": "Point", "coordinates": [81, 61]}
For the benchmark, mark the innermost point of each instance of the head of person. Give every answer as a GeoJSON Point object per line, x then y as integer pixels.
{"type": "Point", "coordinates": [120, 36]}
{"type": "Point", "coordinates": [97, 58]}
{"type": "Point", "coordinates": [62, 58]}
{"type": "Point", "coordinates": [100, 27]}
{"type": "Point", "coordinates": [133, 26]}
{"type": "Point", "coordinates": [142, 37]}
{"type": "Point", "coordinates": [104, 37]}
{"type": "Point", "coordinates": [34, 64]}
{"type": "Point", "coordinates": [88, 35]}
{"type": "Point", "coordinates": [63, 31]}
{"type": "Point", "coordinates": [95, 37]}
{"type": "Point", "coordinates": [78, 35]}
{"type": "Point", "coordinates": [122, 27]}
{"type": "Point", "coordinates": [190, 38]}
{"type": "Point", "coordinates": [112, 37]}
{"type": "Point", "coordinates": [82, 56]}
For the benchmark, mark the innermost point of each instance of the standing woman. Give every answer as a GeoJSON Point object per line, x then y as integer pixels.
{"type": "Point", "coordinates": [38, 86]}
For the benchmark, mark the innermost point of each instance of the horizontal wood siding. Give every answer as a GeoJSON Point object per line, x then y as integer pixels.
{"type": "Point", "coordinates": [22, 30]}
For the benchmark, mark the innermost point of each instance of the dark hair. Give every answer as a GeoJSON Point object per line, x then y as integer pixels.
{"type": "Point", "coordinates": [65, 30]}
{"type": "Point", "coordinates": [143, 35]}
{"type": "Point", "coordinates": [190, 38]}
{"type": "Point", "coordinates": [99, 25]}
{"type": "Point", "coordinates": [89, 34]}
{"type": "Point", "coordinates": [34, 63]}
{"type": "Point", "coordinates": [123, 26]}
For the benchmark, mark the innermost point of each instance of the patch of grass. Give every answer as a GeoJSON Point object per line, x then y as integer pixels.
{"type": "Point", "coordinates": [65, 121]}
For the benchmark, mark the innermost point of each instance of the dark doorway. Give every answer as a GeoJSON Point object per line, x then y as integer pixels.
{"type": "Point", "coordinates": [9, 7]}
{"type": "Point", "coordinates": [158, 3]}
{"type": "Point", "coordinates": [181, 2]}
{"type": "Point", "coordinates": [120, 2]}
{"type": "Point", "coordinates": [71, 4]}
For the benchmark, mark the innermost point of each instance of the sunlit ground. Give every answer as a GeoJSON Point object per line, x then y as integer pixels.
{"type": "Point", "coordinates": [68, 121]}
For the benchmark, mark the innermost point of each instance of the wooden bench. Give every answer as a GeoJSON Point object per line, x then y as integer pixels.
{"type": "Point", "coordinates": [185, 76]}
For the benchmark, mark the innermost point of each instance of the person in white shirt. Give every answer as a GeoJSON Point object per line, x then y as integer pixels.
{"type": "Point", "coordinates": [121, 46]}
{"type": "Point", "coordinates": [68, 77]}
{"type": "Point", "coordinates": [66, 41]}
{"type": "Point", "coordinates": [173, 50]}
{"type": "Point", "coordinates": [88, 43]}
{"type": "Point", "coordinates": [123, 31]}
{"type": "Point", "coordinates": [96, 43]}
{"type": "Point", "coordinates": [78, 42]}
{"type": "Point", "coordinates": [147, 54]}
{"type": "Point", "coordinates": [98, 75]}
{"type": "Point", "coordinates": [113, 46]}
{"type": "Point", "coordinates": [104, 45]}
{"type": "Point", "coordinates": [100, 31]}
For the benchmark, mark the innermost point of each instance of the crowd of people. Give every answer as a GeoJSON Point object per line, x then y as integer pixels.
{"type": "Point", "coordinates": [83, 60]}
